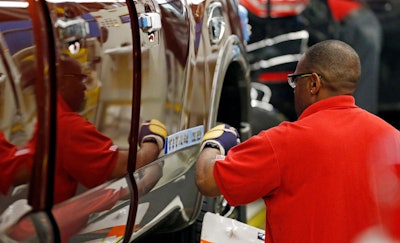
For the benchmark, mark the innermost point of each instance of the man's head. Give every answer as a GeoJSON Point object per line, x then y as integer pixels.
{"type": "Point", "coordinates": [71, 83]}
{"type": "Point", "coordinates": [329, 68]}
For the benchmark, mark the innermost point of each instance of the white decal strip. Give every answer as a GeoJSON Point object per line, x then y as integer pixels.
{"type": "Point", "coordinates": [183, 139]}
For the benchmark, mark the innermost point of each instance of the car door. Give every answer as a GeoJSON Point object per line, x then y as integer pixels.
{"type": "Point", "coordinates": [26, 208]}
{"type": "Point", "coordinates": [180, 62]}
{"type": "Point", "coordinates": [38, 36]}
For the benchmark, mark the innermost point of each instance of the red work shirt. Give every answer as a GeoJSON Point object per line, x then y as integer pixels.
{"type": "Point", "coordinates": [341, 8]}
{"type": "Point", "coordinates": [11, 160]}
{"type": "Point", "coordinates": [313, 174]}
{"type": "Point", "coordinates": [84, 155]}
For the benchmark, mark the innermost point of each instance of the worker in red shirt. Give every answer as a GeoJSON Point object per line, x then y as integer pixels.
{"type": "Point", "coordinates": [317, 175]}
{"type": "Point", "coordinates": [84, 155]}
{"type": "Point", "coordinates": [15, 165]}
{"type": "Point", "coordinates": [360, 28]}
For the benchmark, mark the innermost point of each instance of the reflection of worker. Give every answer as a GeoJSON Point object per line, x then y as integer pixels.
{"type": "Point", "coordinates": [84, 155]}
{"type": "Point", "coordinates": [15, 165]}
{"type": "Point", "coordinates": [317, 175]}
{"type": "Point", "coordinates": [148, 177]}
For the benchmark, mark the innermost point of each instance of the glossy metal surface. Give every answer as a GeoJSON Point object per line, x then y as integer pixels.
{"type": "Point", "coordinates": [193, 73]}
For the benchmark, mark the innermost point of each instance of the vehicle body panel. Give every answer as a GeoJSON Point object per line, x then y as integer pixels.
{"type": "Point", "coordinates": [192, 65]}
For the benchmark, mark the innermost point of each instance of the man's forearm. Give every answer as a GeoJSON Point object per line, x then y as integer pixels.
{"type": "Point", "coordinates": [205, 172]}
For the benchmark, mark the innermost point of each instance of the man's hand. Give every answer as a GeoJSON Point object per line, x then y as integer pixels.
{"type": "Point", "coordinates": [153, 131]}
{"type": "Point", "coordinates": [222, 137]}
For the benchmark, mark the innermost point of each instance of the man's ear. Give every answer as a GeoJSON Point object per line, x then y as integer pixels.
{"type": "Point", "coordinates": [314, 84]}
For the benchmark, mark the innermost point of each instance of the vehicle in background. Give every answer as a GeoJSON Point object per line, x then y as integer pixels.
{"type": "Point", "coordinates": [276, 43]}
{"type": "Point", "coordinates": [283, 29]}
{"type": "Point", "coordinates": [181, 62]}
{"type": "Point", "coordinates": [388, 13]}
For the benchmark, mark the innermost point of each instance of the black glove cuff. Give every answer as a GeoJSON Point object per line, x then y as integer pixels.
{"type": "Point", "coordinates": [211, 145]}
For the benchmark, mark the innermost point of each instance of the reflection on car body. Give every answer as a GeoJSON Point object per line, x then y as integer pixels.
{"type": "Point", "coordinates": [184, 62]}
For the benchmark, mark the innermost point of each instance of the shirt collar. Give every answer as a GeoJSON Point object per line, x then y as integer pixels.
{"type": "Point", "coordinates": [335, 102]}
{"type": "Point", "coordinates": [62, 104]}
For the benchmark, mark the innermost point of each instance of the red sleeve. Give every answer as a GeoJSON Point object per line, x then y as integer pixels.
{"type": "Point", "coordinates": [11, 160]}
{"type": "Point", "coordinates": [250, 171]}
{"type": "Point", "coordinates": [85, 154]}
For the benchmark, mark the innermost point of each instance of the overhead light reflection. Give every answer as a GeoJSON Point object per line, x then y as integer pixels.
{"type": "Point", "coordinates": [13, 4]}
{"type": "Point", "coordinates": [87, 1]}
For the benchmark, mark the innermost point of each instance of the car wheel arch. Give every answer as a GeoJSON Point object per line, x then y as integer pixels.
{"type": "Point", "coordinates": [232, 74]}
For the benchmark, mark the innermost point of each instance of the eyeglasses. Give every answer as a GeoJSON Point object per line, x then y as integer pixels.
{"type": "Point", "coordinates": [80, 76]}
{"type": "Point", "coordinates": [291, 78]}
